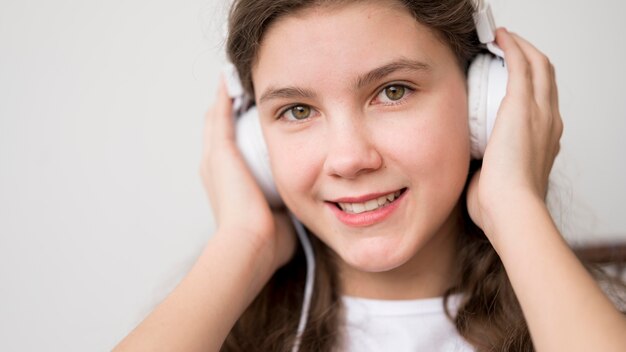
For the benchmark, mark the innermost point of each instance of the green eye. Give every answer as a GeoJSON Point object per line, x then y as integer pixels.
{"type": "Point", "coordinates": [394, 92]}
{"type": "Point", "coordinates": [300, 112]}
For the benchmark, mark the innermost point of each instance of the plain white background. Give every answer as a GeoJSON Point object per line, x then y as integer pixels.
{"type": "Point", "coordinates": [101, 110]}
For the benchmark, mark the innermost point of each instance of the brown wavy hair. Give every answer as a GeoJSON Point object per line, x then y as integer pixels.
{"type": "Point", "coordinates": [489, 317]}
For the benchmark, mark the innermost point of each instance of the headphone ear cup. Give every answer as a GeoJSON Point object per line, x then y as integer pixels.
{"type": "Point", "coordinates": [486, 84]}
{"type": "Point", "coordinates": [477, 77]}
{"type": "Point", "coordinates": [252, 145]}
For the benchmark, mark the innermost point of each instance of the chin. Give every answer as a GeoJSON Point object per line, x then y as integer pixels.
{"type": "Point", "coordinates": [373, 255]}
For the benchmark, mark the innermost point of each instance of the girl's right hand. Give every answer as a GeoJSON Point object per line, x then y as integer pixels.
{"type": "Point", "coordinates": [238, 204]}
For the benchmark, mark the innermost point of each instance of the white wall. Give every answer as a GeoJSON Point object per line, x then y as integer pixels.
{"type": "Point", "coordinates": [101, 108]}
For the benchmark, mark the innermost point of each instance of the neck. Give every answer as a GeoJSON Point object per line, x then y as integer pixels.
{"type": "Point", "coordinates": [429, 273]}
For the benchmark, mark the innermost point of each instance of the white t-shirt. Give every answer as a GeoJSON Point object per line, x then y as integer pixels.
{"type": "Point", "coordinates": [401, 325]}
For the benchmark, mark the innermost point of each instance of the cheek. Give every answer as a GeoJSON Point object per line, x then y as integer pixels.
{"type": "Point", "coordinates": [433, 146]}
{"type": "Point", "coordinates": [447, 148]}
{"type": "Point", "coordinates": [434, 136]}
{"type": "Point", "coordinates": [295, 163]}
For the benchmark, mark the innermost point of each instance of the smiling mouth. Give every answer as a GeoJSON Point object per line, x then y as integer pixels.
{"type": "Point", "coordinates": [370, 205]}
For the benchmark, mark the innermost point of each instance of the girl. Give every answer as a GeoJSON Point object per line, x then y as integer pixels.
{"type": "Point", "coordinates": [363, 105]}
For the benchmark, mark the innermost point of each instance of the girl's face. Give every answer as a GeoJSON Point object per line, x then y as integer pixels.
{"type": "Point", "coordinates": [364, 112]}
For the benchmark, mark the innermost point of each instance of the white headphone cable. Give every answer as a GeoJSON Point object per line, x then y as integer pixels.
{"type": "Point", "coordinates": [310, 279]}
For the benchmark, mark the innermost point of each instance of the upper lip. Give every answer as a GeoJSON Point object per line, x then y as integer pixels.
{"type": "Point", "coordinates": [363, 198]}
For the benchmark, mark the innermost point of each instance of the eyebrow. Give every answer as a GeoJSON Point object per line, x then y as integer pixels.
{"type": "Point", "coordinates": [286, 93]}
{"type": "Point", "coordinates": [374, 75]}
{"type": "Point", "coordinates": [383, 71]}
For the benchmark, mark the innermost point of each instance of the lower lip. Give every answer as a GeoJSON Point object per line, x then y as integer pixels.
{"type": "Point", "coordinates": [367, 218]}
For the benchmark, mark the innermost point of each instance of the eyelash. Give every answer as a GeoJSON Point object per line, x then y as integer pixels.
{"type": "Point", "coordinates": [408, 92]}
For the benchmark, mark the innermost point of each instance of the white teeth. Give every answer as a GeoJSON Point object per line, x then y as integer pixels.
{"type": "Point", "coordinates": [358, 207]}
{"type": "Point", "coordinates": [370, 205]}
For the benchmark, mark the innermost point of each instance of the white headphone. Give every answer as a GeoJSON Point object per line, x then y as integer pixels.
{"type": "Point", "coordinates": [486, 82]}
{"type": "Point", "coordinates": [487, 79]}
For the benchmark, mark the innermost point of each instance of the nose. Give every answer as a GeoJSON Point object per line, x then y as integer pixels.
{"type": "Point", "coordinates": [351, 149]}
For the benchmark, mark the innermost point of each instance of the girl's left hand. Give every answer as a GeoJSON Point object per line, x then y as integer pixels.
{"type": "Point", "coordinates": [525, 139]}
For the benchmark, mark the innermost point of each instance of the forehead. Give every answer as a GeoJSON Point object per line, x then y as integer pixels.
{"type": "Point", "coordinates": [339, 43]}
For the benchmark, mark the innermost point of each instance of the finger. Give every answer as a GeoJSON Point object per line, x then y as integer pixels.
{"type": "Point", "coordinates": [219, 126]}
{"type": "Point", "coordinates": [555, 92]}
{"type": "Point", "coordinates": [208, 124]}
{"type": "Point", "coordinates": [520, 75]}
{"type": "Point", "coordinates": [224, 112]}
{"type": "Point", "coordinates": [556, 110]}
{"type": "Point", "coordinates": [546, 91]}
{"type": "Point", "coordinates": [541, 71]}
{"type": "Point", "coordinates": [544, 82]}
